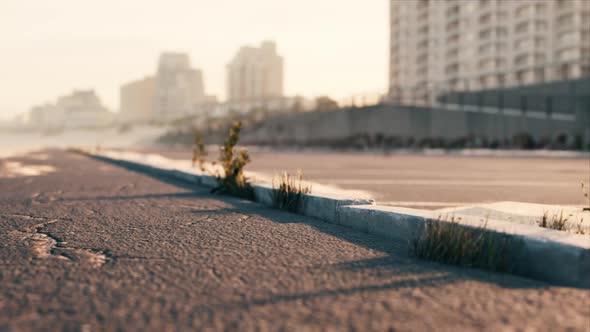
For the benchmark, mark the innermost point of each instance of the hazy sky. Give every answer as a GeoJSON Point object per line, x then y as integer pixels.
{"type": "Point", "coordinates": [48, 48]}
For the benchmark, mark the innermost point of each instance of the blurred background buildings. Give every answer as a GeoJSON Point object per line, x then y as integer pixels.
{"type": "Point", "coordinates": [468, 71]}
{"type": "Point", "coordinates": [80, 109]}
{"type": "Point", "coordinates": [179, 88]}
{"type": "Point", "coordinates": [448, 46]}
{"type": "Point", "coordinates": [136, 100]}
{"type": "Point", "coordinates": [176, 91]}
{"type": "Point", "coordinates": [255, 73]}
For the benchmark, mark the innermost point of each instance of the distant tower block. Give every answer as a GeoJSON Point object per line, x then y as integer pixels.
{"type": "Point", "coordinates": [178, 87]}
{"type": "Point", "coordinates": [439, 46]}
{"type": "Point", "coordinates": [255, 74]}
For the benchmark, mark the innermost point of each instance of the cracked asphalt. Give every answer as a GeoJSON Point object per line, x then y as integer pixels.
{"type": "Point", "coordinates": [91, 246]}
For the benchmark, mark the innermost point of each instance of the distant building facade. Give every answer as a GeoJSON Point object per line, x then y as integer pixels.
{"type": "Point", "coordinates": [46, 116]}
{"type": "Point", "coordinates": [81, 108]}
{"type": "Point", "coordinates": [136, 100]}
{"type": "Point", "coordinates": [255, 75]}
{"type": "Point", "coordinates": [179, 89]}
{"type": "Point", "coordinates": [441, 46]}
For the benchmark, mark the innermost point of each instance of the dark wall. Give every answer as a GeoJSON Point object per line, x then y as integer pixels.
{"type": "Point", "coordinates": [567, 97]}
{"type": "Point", "coordinates": [542, 112]}
{"type": "Point", "coordinates": [411, 123]}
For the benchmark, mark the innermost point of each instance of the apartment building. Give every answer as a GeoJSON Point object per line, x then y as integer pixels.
{"type": "Point", "coordinates": [441, 46]}
{"type": "Point", "coordinates": [178, 86]}
{"type": "Point", "coordinates": [136, 100]}
{"type": "Point", "coordinates": [255, 74]}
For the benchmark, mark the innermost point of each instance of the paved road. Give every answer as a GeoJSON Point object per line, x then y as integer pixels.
{"type": "Point", "coordinates": [432, 182]}
{"type": "Point", "coordinates": [88, 246]}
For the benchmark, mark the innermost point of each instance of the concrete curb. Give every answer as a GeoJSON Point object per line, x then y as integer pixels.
{"type": "Point", "coordinates": [543, 254]}
{"type": "Point", "coordinates": [322, 206]}
{"type": "Point", "coordinates": [548, 255]}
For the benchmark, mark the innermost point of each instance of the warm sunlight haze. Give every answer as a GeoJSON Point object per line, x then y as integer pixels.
{"type": "Point", "coordinates": [304, 165]}
{"type": "Point", "coordinates": [51, 47]}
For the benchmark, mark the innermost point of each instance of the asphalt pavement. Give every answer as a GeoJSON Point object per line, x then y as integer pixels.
{"type": "Point", "coordinates": [89, 246]}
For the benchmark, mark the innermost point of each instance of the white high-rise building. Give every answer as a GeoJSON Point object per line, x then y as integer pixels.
{"type": "Point", "coordinates": [255, 74]}
{"type": "Point", "coordinates": [178, 87]}
{"type": "Point", "coordinates": [439, 46]}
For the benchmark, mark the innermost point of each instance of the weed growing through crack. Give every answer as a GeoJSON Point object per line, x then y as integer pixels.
{"type": "Point", "coordinates": [555, 222]}
{"type": "Point", "coordinates": [562, 223]}
{"type": "Point", "coordinates": [233, 181]}
{"type": "Point", "coordinates": [199, 151]}
{"type": "Point", "coordinates": [290, 192]}
{"type": "Point", "coordinates": [447, 241]}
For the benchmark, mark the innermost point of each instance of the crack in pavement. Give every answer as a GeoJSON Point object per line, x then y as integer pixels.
{"type": "Point", "coordinates": [44, 245]}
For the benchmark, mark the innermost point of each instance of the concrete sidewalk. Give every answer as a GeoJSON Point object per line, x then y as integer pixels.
{"type": "Point", "coordinates": [90, 246]}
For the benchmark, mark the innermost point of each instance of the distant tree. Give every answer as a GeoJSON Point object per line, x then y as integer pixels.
{"type": "Point", "coordinates": [297, 106]}
{"type": "Point", "coordinates": [325, 103]}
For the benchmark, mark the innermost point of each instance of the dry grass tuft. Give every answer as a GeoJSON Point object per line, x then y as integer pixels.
{"type": "Point", "coordinates": [561, 223]}
{"type": "Point", "coordinates": [447, 241]}
{"type": "Point", "coordinates": [290, 193]}
{"type": "Point", "coordinates": [555, 222]}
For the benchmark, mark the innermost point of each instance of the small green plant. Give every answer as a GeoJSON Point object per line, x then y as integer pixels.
{"type": "Point", "coordinates": [199, 151]}
{"type": "Point", "coordinates": [586, 194]}
{"type": "Point", "coordinates": [555, 222]}
{"type": "Point", "coordinates": [233, 181]}
{"type": "Point", "coordinates": [447, 241]}
{"type": "Point", "coordinates": [290, 193]}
